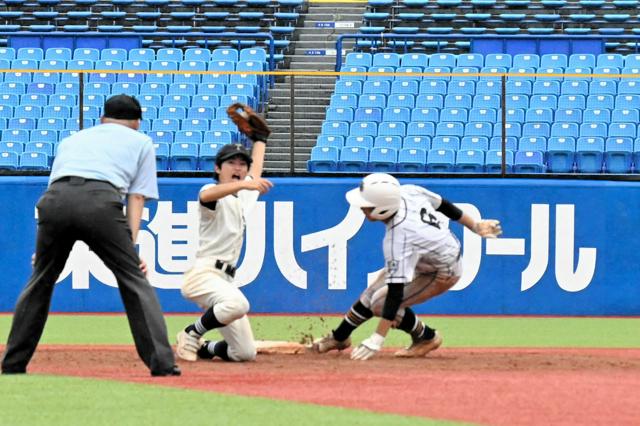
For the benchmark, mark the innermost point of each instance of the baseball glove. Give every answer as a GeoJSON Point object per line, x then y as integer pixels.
{"type": "Point", "coordinates": [248, 122]}
{"type": "Point", "coordinates": [488, 228]}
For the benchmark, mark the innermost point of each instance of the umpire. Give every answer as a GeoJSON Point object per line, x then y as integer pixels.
{"type": "Point", "coordinates": [92, 172]}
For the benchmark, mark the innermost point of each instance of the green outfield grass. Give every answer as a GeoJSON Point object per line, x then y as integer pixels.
{"type": "Point", "coordinates": [46, 400]}
{"type": "Point", "coordinates": [39, 399]}
{"type": "Point", "coordinates": [457, 331]}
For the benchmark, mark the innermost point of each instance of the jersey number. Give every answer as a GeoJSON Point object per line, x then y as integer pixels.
{"type": "Point", "coordinates": [429, 219]}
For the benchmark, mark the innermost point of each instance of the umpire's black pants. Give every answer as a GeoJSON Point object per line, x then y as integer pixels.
{"type": "Point", "coordinates": [75, 209]}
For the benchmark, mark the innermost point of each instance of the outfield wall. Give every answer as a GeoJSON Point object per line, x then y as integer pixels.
{"type": "Point", "coordinates": [569, 248]}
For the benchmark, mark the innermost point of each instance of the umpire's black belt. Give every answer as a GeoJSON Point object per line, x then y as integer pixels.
{"type": "Point", "coordinates": [78, 180]}
{"type": "Point", "coordinates": [226, 268]}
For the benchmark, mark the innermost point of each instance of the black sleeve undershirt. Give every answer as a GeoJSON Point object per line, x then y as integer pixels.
{"type": "Point", "coordinates": [211, 205]}
{"type": "Point", "coordinates": [449, 210]}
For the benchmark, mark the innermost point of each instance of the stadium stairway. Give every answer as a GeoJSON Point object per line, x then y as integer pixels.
{"type": "Point", "coordinates": [313, 50]}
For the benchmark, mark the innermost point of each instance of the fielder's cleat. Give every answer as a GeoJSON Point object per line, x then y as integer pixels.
{"type": "Point", "coordinates": [420, 347]}
{"type": "Point", "coordinates": [329, 343]}
{"type": "Point", "coordinates": [187, 346]}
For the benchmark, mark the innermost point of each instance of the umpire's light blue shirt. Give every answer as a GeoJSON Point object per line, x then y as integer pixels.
{"type": "Point", "coordinates": [109, 152]}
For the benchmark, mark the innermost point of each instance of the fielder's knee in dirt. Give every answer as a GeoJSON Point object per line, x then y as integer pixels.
{"type": "Point", "coordinates": [243, 353]}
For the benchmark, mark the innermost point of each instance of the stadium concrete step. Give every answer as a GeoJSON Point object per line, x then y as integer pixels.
{"type": "Point", "coordinates": [302, 91]}
{"type": "Point", "coordinates": [299, 115]}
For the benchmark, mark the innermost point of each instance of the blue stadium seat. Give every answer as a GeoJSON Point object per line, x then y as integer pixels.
{"type": "Point", "coordinates": [593, 115]}
{"type": "Point", "coordinates": [60, 111]}
{"type": "Point", "coordinates": [525, 60]}
{"type": "Point", "coordinates": [411, 160]}
{"type": "Point", "coordinates": [440, 160]}
{"type": "Point", "coordinates": [30, 53]}
{"type": "Point", "coordinates": [184, 156]}
{"type": "Point", "coordinates": [417, 142]}
{"type": "Point", "coordinates": [589, 154]}
{"type": "Point", "coordinates": [536, 129]}
{"type": "Point", "coordinates": [404, 87]}
{"type": "Point", "coordinates": [22, 123]}
{"type": "Point", "coordinates": [462, 87]}
{"type": "Point", "coordinates": [6, 111]}
{"type": "Point", "coordinates": [34, 161]}
{"type": "Point", "coordinates": [425, 114]}
{"type": "Point", "coordinates": [388, 128]}
{"type": "Point", "coordinates": [168, 112]}
{"type": "Point", "coordinates": [479, 129]}
{"type": "Point", "coordinates": [348, 87]}
{"type": "Point", "coordinates": [618, 155]}
{"type": "Point", "coordinates": [450, 129]}
{"type": "Point", "coordinates": [205, 101]}
{"type": "Point", "coordinates": [415, 60]}
{"type": "Point", "coordinates": [493, 161]}
{"type": "Point", "coordinates": [487, 101]}
{"type": "Point", "coordinates": [16, 147]}
{"type": "Point", "coordinates": [28, 111]}
{"type": "Point", "coordinates": [207, 155]}
{"type": "Point", "coordinates": [12, 89]}
{"type": "Point", "coordinates": [543, 101]}
{"type": "Point", "coordinates": [359, 141]}
{"type": "Point", "coordinates": [554, 60]}
{"type": "Point", "coordinates": [565, 130]}
{"type": "Point", "coordinates": [394, 142]}
{"type": "Point", "coordinates": [195, 125]}
{"type": "Point", "coordinates": [474, 143]}
{"type": "Point", "coordinates": [143, 54]}
{"type": "Point", "coordinates": [430, 101]}
{"type": "Point", "coordinates": [382, 160]}
{"type": "Point", "coordinates": [161, 137]}
{"type": "Point", "coordinates": [323, 159]}
{"type": "Point", "coordinates": [396, 114]}
{"type": "Point", "coordinates": [582, 60]}
{"type": "Point", "coordinates": [539, 115]}
{"type": "Point", "coordinates": [529, 162]}
{"type": "Point", "coordinates": [177, 101]}
{"type": "Point", "coordinates": [9, 160]}
{"type": "Point", "coordinates": [15, 135]}
{"type": "Point", "coordinates": [561, 154]}
{"type": "Point", "coordinates": [363, 128]}
{"type": "Point", "coordinates": [610, 60]}
{"type": "Point", "coordinates": [532, 143]}
{"type": "Point", "coordinates": [624, 115]}
{"type": "Point", "coordinates": [353, 159]}
{"type": "Point", "coordinates": [617, 130]}
{"type": "Point", "coordinates": [545, 87]}
{"type": "Point", "coordinates": [488, 87]}
{"type": "Point", "coordinates": [433, 87]}
{"type": "Point", "coordinates": [201, 113]}
{"type": "Point", "coordinates": [479, 114]}
{"type": "Point", "coordinates": [386, 60]}
{"type": "Point", "coordinates": [470, 161]}
{"type": "Point", "coordinates": [132, 89]}
{"type": "Point", "coordinates": [162, 150]}
{"type": "Point", "coordinates": [459, 101]}
{"type": "Point", "coordinates": [418, 128]}
{"type": "Point", "coordinates": [188, 136]}
{"type": "Point", "coordinates": [329, 140]}
{"type": "Point", "coordinates": [568, 115]}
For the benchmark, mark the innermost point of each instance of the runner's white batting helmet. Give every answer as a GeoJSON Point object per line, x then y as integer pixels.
{"type": "Point", "coordinates": [380, 191]}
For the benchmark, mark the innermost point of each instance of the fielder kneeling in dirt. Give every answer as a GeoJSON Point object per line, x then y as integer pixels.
{"type": "Point", "coordinates": [223, 209]}
{"type": "Point", "coordinates": [422, 260]}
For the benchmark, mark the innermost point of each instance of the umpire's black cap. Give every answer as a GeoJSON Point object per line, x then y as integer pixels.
{"type": "Point", "coordinates": [232, 150]}
{"type": "Point", "coordinates": [122, 107]}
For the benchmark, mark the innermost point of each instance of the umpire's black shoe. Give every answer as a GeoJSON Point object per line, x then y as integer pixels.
{"type": "Point", "coordinates": [173, 371]}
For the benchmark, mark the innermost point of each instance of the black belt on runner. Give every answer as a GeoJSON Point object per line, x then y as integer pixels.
{"type": "Point", "coordinates": [226, 268]}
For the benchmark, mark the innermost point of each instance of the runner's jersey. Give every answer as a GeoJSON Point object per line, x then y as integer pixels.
{"type": "Point", "coordinates": [222, 228]}
{"type": "Point", "coordinates": [416, 231]}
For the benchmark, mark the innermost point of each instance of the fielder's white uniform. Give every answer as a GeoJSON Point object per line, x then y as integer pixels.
{"type": "Point", "coordinates": [221, 232]}
{"type": "Point", "coordinates": [418, 247]}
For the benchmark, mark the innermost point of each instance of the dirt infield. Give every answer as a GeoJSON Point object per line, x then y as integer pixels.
{"type": "Point", "coordinates": [486, 386]}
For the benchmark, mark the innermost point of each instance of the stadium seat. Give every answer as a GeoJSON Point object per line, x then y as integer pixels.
{"type": "Point", "coordinates": [382, 160]}
{"type": "Point", "coordinates": [207, 155]}
{"type": "Point", "coordinates": [184, 156]}
{"type": "Point", "coordinates": [411, 160]}
{"type": "Point", "coordinates": [9, 160]}
{"type": "Point", "coordinates": [327, 140]}
{"type": "Point", "coordinates": [359, 141]}
{"type": "Point", "coordinates": [469, 161]}
{"type": "Point", "coordinates": [589, 154]}
{"type": "Point", "coordinates": [323, 159]}
{"type": "Point", "coordinates": [529, 162]}
{"type": "Point", "coordinates": [162, 155]}
{"type": "Point", "coordinates": [618, 154]}
{"type": "Point", "coordinates": [34, 161]}
{"type": "Point", "coordinates": [440, 160]}
{"type": "Point", "coordinates": [353, 159]}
